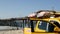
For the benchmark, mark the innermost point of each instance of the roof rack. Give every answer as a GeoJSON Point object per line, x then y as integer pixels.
{"type": "Point", "coordinates": [51, 11]}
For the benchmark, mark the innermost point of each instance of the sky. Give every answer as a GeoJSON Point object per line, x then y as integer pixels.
{"type": "Point", "coordinates": [22, 8]}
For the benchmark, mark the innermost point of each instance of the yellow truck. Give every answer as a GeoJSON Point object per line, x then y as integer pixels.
{"type": "Point", "coordinates": [43, 26]}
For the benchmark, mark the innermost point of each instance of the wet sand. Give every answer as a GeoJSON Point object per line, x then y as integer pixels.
{"type": "Point", "coordinates": [12, 32]}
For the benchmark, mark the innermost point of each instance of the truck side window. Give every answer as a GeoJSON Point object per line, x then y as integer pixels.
{"type": "Point", "coordinates": [50, 27]}
{"type": "Point", "coordinates": [45, 25]}
{"type": "Point", "coordinates": [42, 25]}
{"type": "Point", "coordinates": [56, 23]}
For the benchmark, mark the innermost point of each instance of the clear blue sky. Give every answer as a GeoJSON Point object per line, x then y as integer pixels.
{"type": "Point", "coordinates": [21, 8]}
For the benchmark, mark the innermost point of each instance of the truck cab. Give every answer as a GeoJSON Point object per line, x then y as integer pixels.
{"type": "Point", "coordinates": [43, 26]}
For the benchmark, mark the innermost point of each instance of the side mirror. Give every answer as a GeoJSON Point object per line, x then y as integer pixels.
{"type": "Point", "coordinates": [56, 29]}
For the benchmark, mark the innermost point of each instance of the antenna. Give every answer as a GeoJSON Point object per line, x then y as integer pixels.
{"type": "Point", "coordinates": [53, 8]}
